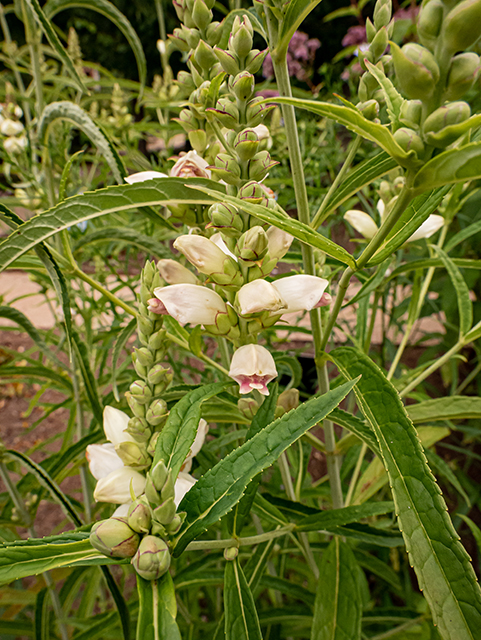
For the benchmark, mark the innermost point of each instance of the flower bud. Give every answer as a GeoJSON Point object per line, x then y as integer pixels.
{"type": "Point", "coordinates": [278, 242]}
{"type": "Point", "coordinates": [159, 475]}
{"type": "Point", "coordinates": [225, 217]}
{"type": "Point", "coordinates": [175, 273]}
{"type": "Point", "coordinates": [256, 112]}
{"type": "Point", "coordinates": [157, 412]}
{"type": "Point", "coordinates": [152, 444]}
{"type": "Point", "coordinates": [416, 70]}
{"type": "Point", "coordinates": [152, 559]}
{"type": "Point", "coordinates": [410, 114]}
{"type": "Point", "coordinates": [362, 222]}
{"type": "Point", "coordinates": [369, 109]}
{"type": "Point", "coordinates": [463, 73]}
{"type": "Point", "coordinates": [382, 13]}
{"type": "Point", "coordinates": [151, 493]}
{"type": "Point", "coordinates": [198, 140]}
{"type": "Point", "coordinates": [258, 296]}
{"type": "Point", "coordinates": [248, 407]}
{"type": "Point", "coordinates": [226, 168]}
{"type": "Point", "coordinates": [240, 41]}
{"type": "Point", "coordinates": [246, 144]}
{"type": "Point", "coordinates": [253, 367]}
{"type": "Point", "coordinates": [409, 140]}
{"type": "Point", "coordinates": [116, 487]}
{"type": "Point", "coordinates": [165, 512]}
{"type": "Point", "coordinates": [16, 144]}
{"type": "Point", "coordinates": [450, 114]}
{"type": "Point", "coordinates": [370, 30]}
{"type": "Point", "coordinates": [137, 408]}
{"type": "Point", "coordinates": [379, 44]}
{"type": "Point", "coordinates": [179, 9]}
{"type": "Point", "coordinates": [139, 429]}
{"type": "Point", "coordinates": [141, 391]}
{"type": "Point", "coordinates": [157, 339]}
{"type": "Point", "coordinates": [201, 15]}
{"type": "Point", "coordinates": [252, 245]}
{"type": "Point", "coordinates": [226, 112]}
{"type": "Point", "coordinates": [139, 516]}
{"type": "Point", "coordinates": [190, 303]}
{"type": "Point", "coordinates": [10, 127]}
{"type": "Point", "coordinates": [187, 120]}
{"type": "Point", "coordinates": [260, 165]}
{"type": "Point", "coordinates": [288, 400]}
{"type": "Point", "coordinates": [430, 21]}
{"type": "Point", "coordinates": [461, 25]}
{"type": "Point", "coordinates": [243, 86]}
{"type": "Point", "coordinates": [176, 523]}
{"type": "Point", "coordinates": [301, 292]}
{"type": "Point", "coordinates": [228, 61]}
{"type": "Point", "coordinates": [133, 455]}
{"type": "Point", "coordinates": [145, 325]}
{"type": "Point", "coordinates": [213, 33]}
{"type": "Point", "coordinates": [179, 40]}
{"type": "Point", "coordinates": [253, 192]}
{"type": "Point", "coordinates": [254, 60]}
{"type": "Point", "coordinates": [185, 82]}
{"type": "Point", "coordinates": [114, 538]}
{"type": "Point", "coordinates": [204, 55]}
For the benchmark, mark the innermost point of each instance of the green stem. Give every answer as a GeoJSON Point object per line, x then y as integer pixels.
{"type": "Point", "coordinates": [201, 545]}
{"type": "Point", "coordinates": [372, 322]}
{"type": "Point", "coordinates": [439, 363]}
{"type": "Point", "coordinates": [203, 357]}
{"type": "Point", "coordinates": [355, 475]}
{"type": "Point", "coordinates": [319, 217]}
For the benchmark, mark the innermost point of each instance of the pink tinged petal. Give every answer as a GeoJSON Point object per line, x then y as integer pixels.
{"type": "Point", "coordinates": [115, 425]}
{"type": "Point", "coordinates": [325, 300]}
{"type": "Point", "coordinates": [156, 306]}
{"type": "Point", "coordinates": [118, 485]}
{"type": "Point", "coordinates": [191, 303]}
{"type": "Point", "coordinates": [301, 292]}
{"type": "Point", "coordinates": [142, 176]}
{"type": "Point", "coordinates": [258, 296]}
{"type": "Point", "coordinates": [190, 165]}
{"type": "Point", "coordinates": [253, 367]}
{"type": "Point", "coordinates": [184, 483]}
{"type": "Point", "coordinates": [102, 459]}
{"type": "Point", "coordinates": [428, 228]}
{"type": "Point", "coordinates": [362, 222]}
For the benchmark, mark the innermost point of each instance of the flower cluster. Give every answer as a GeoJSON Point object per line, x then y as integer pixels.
{"type": "Point", "coordinates": [12, 129]}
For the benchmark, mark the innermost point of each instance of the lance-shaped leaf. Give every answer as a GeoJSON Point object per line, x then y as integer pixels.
{"type": "Point", "coordinates": [338, 605]}
{"type": "Point", "coordinates": [453, 165]}
{"type": "Point", "coordinates": [451, 408]}
{"type": "Point", "coordinates": [129, 236]}
{"type": "Point", "coordinates": [353, 119]}
{"type": "Point", "coordinates": [179, 432]}
{"type": "Point", "coordinates": [158, 609]}
{"type": "Point", "coordinates": [297, 11]}
{"type": "Point", "coordinates": [221, 487]}
{"type": "Point", "coordinates": [241, 621]}
{"type": "Point", "coordinates": [158, 192]}
{"type": "Point", "coordinates": [465, 306]}
{"type": "Point", "coordinates": [394, 99]}
{"type": "Point", "coordinates": [325, 520]}
{"type": "Point", "coordinates": [110, 11]}
{"type": "Point", "coordinates": [299, 230]}
{"type": "Point", "coordinates": [440, 561]}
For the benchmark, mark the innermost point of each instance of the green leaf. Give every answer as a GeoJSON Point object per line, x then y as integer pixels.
{"type": "Point", "coordinates": [442, 468]}
{"type": "Point", "coordinates": [110, 11]}
{"type": "Point", "coordinates": [353, 119]}
{"type": "Point", "coordinates": [299, 230]}
{"type": "Point", "coordinates": [440, 561]}
{"type": "Point", "coordinates": [297, 12]}
{"type": "Point", "coordinates": [66, 175]}
{"type": "Point", "coordinates": [21, 560]}
{"type": "Point", "coordinates": [52, 37]}
{"type": "Point", "coordinates": [41, 616]}
{"type": "Point", "coordinates": [241, 621]}
{"type": "Point", "coordinates": [158, 609]}
{"type": "Point", "coordinates": [221, 487]}
{"type": "Point", "coordinates": [453, 165]}
{"type": "Point", "coordinates": [179, 432]}
{"type": "Point", "coordinates": [475, 530]}
{"type": "Point", "coordinates": [394, 99]}
{"type": "Point", "coordinates": [364, 173]}
{"type": "Point", "coordinates": [465, 306]}
{"type": "Point", "coordinates": [289, 588]}
{"type": "Point", "coordinates": [71, 112]}
{"type": "Point", "coordinates": [325, 520]}
{"type": "Point", "coordinates": [161, 191]}
{"type": "Point", "coordinates": [462, 235]}
{"type": "Point", "coordinates": [129, 236]}
{"type": "Point", "coordinates": [82, 361]}
{"type": "Point", "coordinates": [355, 425]}
{"type": "Point", "coordinates": [338, 605]}
{"type": "Point", "coordinates": [463, 263]}
{"type": "Point", "coordinates": [341, 13]}
{"type": "Point", "coordinates": [451, 408]}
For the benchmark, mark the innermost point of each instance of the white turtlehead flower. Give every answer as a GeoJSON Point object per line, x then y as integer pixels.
{"type": "Point", "coordinates": [15, 144]}
{"type": "Point", "coordinates": [253, 367]}
{"type": "Point", "coordinates": [197, 445]}
{"type": "Point", "coordinates": [219, 241]}
{"type": "Point", "coordinates": [365, 225]}
{"type": "Point", "coordinates": [263, 133]}
{"type": "Point", "coordinates": [190, 303]}
{"type": "Point", "coordinates": [174, 273]}
{"type": "Point", "coordinates": [184, 483]}
{"type": "Point", "coordinates": [116, 487]}
{"type": "Point", "coordinates": [115, 425]}
{"type": "Point", "coordinates": [190, 165]}
{"type": "Point", "coordinates": [143, 176]}
{"type": "Point", "coordinates": [278, 242]}
{"type": "Point", "coordinates": [302, 292]}
{"type": "Point", "coordinates": [11, 127]}
{"type": "Point", "coordinates": [202, 253]}
{"type": "Point", "coordinates": [258, 296]}
{"type": "Point", "coordinates": [103, 459]}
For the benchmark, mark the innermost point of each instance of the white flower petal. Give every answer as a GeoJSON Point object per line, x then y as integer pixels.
{"type": "Point", "coordinates": [257, 296]}
{"type": "Point", "coordinates": [191, 303]}
{"type": "Point", "coordinates": [184, 483]}
{"type": "Point", "coordinates": [116, 486]}
{"type": "Point", "coordinates": [278, 242]}
{"type": "Point", "coordinates": [115, 425]}
{"type": "Point", "coordinates": [301, 292]}
{"type": "Point", "coordinates": [122, 511]}
{"type": "Point", "coordinates": [142, 176]}
{"type": "Point", "coordinates": [175, 273]}
{"type": "Point", "coordinates": [362, 222]}
{"type": "Point", "coordinates": [102, 459]}
{"type": "Point", "coordinates": [428, 228]}
{"type": "Point", "coordinates": [219, 241]}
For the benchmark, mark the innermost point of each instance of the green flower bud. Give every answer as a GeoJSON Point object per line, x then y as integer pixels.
{"type": "Point", "coordinates": [139, 429]}
{"type": "Point", "coordinates": [226, 168]}
{"type": "Point", "coordinates": [225, 217]}
{"type": "Point", "coordinates": [159, 475]}
{"type": "Point", "coordinates": [114, 538]}
{"type": "Point", "coordinates": [288, 400]}
{"type": "Point", "coordinates": [157, 412]}
{"type": "Point", "coordinates": [416, 70]}
{"type": "Point", "coordinates": [461, 26]}
{"type": "Point", "coordinates": [411, 112]}
{"type": "Point", "coordinates": [192, 36]}
{"type": "Point", "coordinates": [379, 44]}
{"type": "Point", "coordinates": [165, 512]}
{"type": "Point", "coordinates": [158, 529]}
{"type": "Point", "coordinates": [144, 356]}
{"type": "Point", "coordinates": [253, 192]}
{"type": "Point", "coordinates": [243, 86]}
{"type": "Point", "coordinates": [254, 60]}
{"type": "Point", "coordinates": [151, 446]}
{"type": "Point", "coordinates": [139, 516]}
{"type": "Point", "coordinates": [367, 86]}
{"type": "Point", "coordinates": [214, 33]}
{"type": "Point", "coordinates": [252, 245]}
{"type": "Point", "coordinates": [140, 391]}
{"type": "Point", "coordinates": [204, 54]}
{"type": "Point", "coordinates": [240, 23]}
{"type": "Point", "coordinates": [449, 114]}
{"type": "Point", "coordinates": [382, 13]}
{"type": "Point", "coordinates": [228, 61]}
{"type": "Point", "coordinates": [176, 523]}
{"type": "Point", "coordinates": [240, 41]}
{"type": "Point", "coordinates": [248, 407]}
{"type": "Point", "coordinates": [167, 490]}
{"type": "Point", "coordinates": [430, 21]}
{"type": "Point", "coordinates": [179, 9]}
{"type": "Point", "coordinates": [156, 340]}
{"type": "Point", "coordinates": [463, 73]}
{"type": "Point", "coordinates": [260, 165]}
{"type": "Point", "coordinates": [201, 15]}
{"type": "Point", "coordinates": [179, 40]}
{"type": "Point", "coordinates": [246, 144]}
{"type": "Point", "coordinates": [185, 82]}
{"type": "Point", "coordinates": [187, 120]}
{"type": "Point", "coordinates": [369, 109]}
{"type": "Point", "coordinates": [231, 553]}
{"type": "Point", "coordinates": [198, 140]}
{"type": "Point", "coordinates": [145, 325]}
{"type": "Point", "coordinates": [137, 408]}
{"type": "Point", "coordinates": [133, 455]}
{"type": "Point", "coordinates": [226, 112]}
{"type": "Point", "coordinates": [152, 559]}
{"type": "Point", "coordinates": [157, 374]}
{"type": "Point", "coordinates": [151, 492]}
{"type": "Point", "coordinates": [409, 140]}
{"type": "Point", "coordinates": [255, 112]}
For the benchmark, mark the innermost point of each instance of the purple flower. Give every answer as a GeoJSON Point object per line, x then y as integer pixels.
{"type": "Point", "coordinates": [300, 57]}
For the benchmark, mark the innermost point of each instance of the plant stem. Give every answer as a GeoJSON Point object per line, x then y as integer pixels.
{"type": "Point", "coordinates": [355, 475]}
{"type": "Point", "coordinates": [439, 363]}
{"type": "Point", "coordinates": [201, 545]}
{"type": "Point", "coordinates": [319, 218]}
